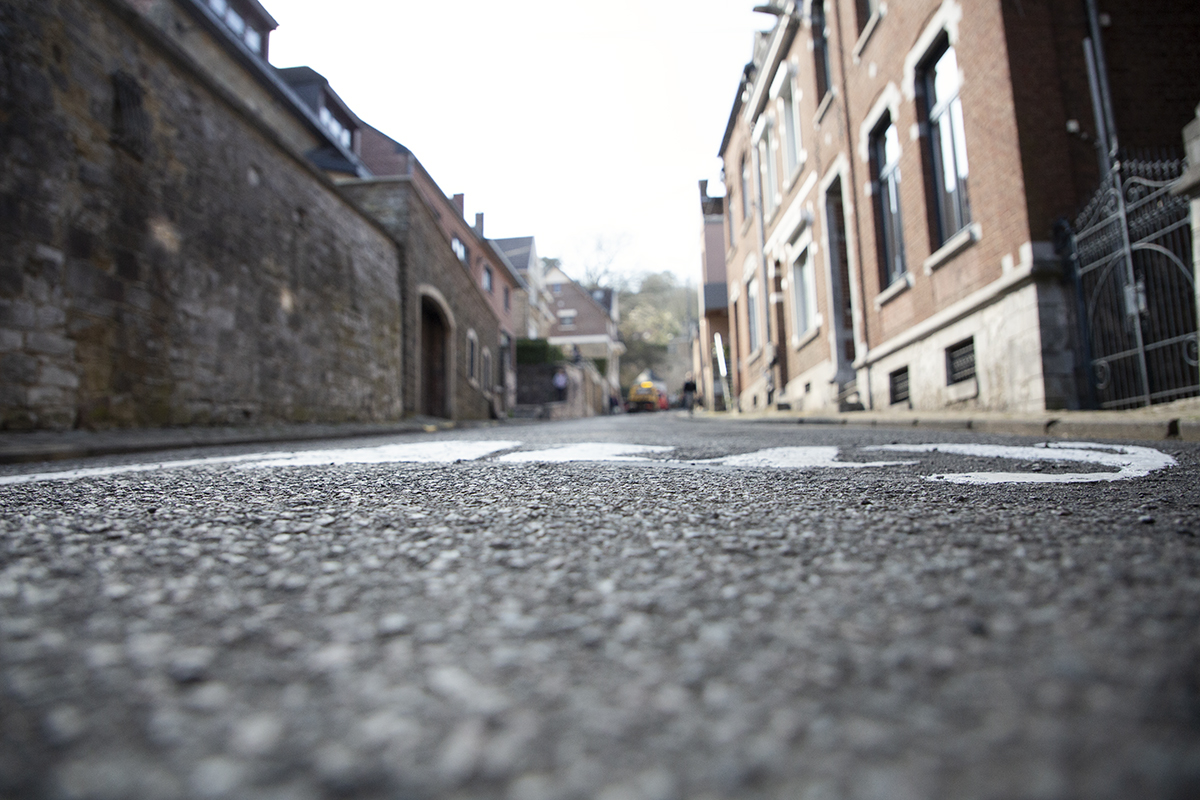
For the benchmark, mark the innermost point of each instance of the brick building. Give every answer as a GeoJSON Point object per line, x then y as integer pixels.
{"type": "Point", "coordinates": [894, 172]}
{"type": "Point", "coordinates": [176, 246]}
{"type": "Point", "coordinates": [534, 302]}
{"type": "Point", "coordinates": [491, 368]}
{"type": "Point", "coordinates": [586, 321]}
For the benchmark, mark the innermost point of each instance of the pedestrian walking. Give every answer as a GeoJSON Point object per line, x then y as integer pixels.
{"type": "Point", "coordinates": [689, 394]}
{"type": "Point", "coordinates": [560, 385]}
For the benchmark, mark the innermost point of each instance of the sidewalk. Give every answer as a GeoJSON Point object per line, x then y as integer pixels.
{"type": "Point", "coordinates": [1178, 421]}
{"type": "Point", "coordinates": [53, 445]}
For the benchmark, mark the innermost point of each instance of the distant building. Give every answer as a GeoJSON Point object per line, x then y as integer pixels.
{"type": "Point", "coordinates": [586, 324]}
{"type": "Point", "coordinates": [534, 314]}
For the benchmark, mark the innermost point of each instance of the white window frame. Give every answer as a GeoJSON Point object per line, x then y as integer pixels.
{"type": "Point", "coordinates": [747, 179]}
{"type": "Point", "coordinates": [460, 249]}
{"type": "Point", "coordinates": [802, 280]}
{"type": "Point", "coordinates": [787, 96]}
{"type": "Point", "coordinates": [753, 334]}
{"type": "Point", "coordinates": [766, 145]}
{"type": "Point", "coordinates": [946, 142]}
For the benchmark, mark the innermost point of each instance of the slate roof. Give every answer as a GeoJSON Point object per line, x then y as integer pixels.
{"type": "Point", "coordinates": [517, 250]}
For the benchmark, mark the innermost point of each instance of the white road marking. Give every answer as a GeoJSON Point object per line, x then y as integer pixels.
{"type": "Point", "coordinates": [413, 452]}
{"type": "Point", "coordinates": [797, 458]}
{"type": "Point", "coordinates": [1131, 461]}
{"type": "Point", "coordinates": [585, 451]}
{"type": "Point", "coordinates": [122, 469]}
{"type": "Point", "coordinates": [420, 452]}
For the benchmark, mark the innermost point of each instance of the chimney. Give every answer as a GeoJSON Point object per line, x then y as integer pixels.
{"type": "Point", "coordinates": [479, 224]}
{"type": "Point", "coordinates": [460, 201]}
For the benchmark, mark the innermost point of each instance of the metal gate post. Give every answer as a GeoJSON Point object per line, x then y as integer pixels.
{"type": "Point", "coordinates": [1133, 316]}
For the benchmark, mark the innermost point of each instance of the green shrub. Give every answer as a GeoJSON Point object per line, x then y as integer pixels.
{"type": "Point", "coordinates": [537, 351]}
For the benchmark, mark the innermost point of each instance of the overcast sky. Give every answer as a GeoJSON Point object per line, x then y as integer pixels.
{"type": "Point", "coordinates": [575, 121]}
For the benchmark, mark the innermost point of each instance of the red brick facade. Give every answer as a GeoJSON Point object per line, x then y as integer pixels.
{"type": "Point", "coordinates": [963, 129]}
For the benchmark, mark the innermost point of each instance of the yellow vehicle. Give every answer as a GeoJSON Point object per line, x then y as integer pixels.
{"type": "Point", "coordinates": [648, 396]}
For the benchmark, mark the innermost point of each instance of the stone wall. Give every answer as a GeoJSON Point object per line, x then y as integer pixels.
{"type": "Point", "coordinates": [587, 390]}
{"type": "Point", "coordinates": [163, 259]}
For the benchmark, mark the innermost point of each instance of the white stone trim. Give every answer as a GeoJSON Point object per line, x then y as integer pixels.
{"type": "Point", "coordinates": [968, 305]}
{"type": "Point", "coordinates": [897, 287]}
{"type": "Point", "coordinates": [869, 30]}
{"type": "Point", "coordinates": [953, 246]}
{"type": "Point", "coordinates": [888, 102]}
{"type": "Point", "coordinates": [946, 20]}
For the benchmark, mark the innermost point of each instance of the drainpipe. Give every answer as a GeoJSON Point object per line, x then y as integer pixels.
{"type": "Point", "coordinates": [854, 206]}
{"type": "Point", "coordinates": [760, 229]}
{"type": "Point", "coordinates": [1099, 66]}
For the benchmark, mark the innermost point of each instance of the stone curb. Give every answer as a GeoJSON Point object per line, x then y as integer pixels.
{"type": "Point", "coordinates": [1068, 427]}
{"type": "Point", "coordinates": [16, 448]}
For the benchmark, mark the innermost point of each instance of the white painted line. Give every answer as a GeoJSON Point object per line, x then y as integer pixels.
{"type": "Point", "coordinates": [797, 458]}
{"type": "Point", "coordinates": [585, 451]}
{"type": "Point", "coordinates": [123, 469]}
{"type": "Point", "coordinates": [427, 452]}
{"type": "Point", "coordinates": [1130, 461]}
{"type": "Point", "coordinates": [413, 452]}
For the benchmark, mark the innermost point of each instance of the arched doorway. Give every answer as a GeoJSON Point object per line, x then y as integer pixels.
{"type": "Point", "coordinates": [435, 351]}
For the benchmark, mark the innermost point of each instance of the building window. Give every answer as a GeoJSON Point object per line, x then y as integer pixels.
{"type": "Point", "coordinates": [507, 298]}
{"type": "Point", "coordinates": [960, 362]}
{"type": "Point", "coordinates": [235, 21]}
{"type": "Point", "coordinates": [885, 184]}
{"type": "Point", "coordinates": [804, 293]}
{"type": "Point", "coordinates": [556, 288]}
{"type": "Point", "coordinates": [488, 280]}
{"type": "Point", "coordinates": [472, 355]}
{"type": "Point", "coordinates": [791, 129]}
{"type": "Point", "coordinates": [768, 171]}
{"type": "Point", "coordinates": [947, 142]}
{"type": "Point", "coordinates": [254, 40]}
{"type": "Point", "coordinates": [460, 249]}
{"type": "Point", "coordinates": [898, 386]}
{"type": "Point", "coordinates": [729, 222]}
{"type": "Point", "coordinates": [747, 187]}
{"type": "Point", "coordinates": [820, 39]}
{"type": "Point", "coordinates": [866, 9]}
{"type": "Point", "coordinates": [566, 319]}
{"type": "Point", "coordinates": [487, 370]}
{"type": "Point", "coordinates": [340, 131]}
{"type": "Point", "coordinates": [131, 123]}
{"type": "Point", "coordinates": [752, 333]}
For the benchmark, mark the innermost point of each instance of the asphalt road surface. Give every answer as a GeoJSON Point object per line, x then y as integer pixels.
{"type": "Point", "coordinates": [644, 607]}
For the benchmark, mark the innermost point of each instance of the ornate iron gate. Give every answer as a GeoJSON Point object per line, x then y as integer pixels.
{"type": "Point", "coordinates": [1136, 287]}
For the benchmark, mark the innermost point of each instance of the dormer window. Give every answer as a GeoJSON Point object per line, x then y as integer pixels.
{"type": "Point", "coordinates": [243, 27]}
{"type": "Point", "coordinates": [459, 249]}
{"type": "Point", "coordinates": [254, 40]}
{"type": "Point", "coordinates": [236, 22]}
{"type": "Point", "coordinates": [340, 131]}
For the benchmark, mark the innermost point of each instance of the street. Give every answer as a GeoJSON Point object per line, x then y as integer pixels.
{"type": "Point", "coordinates": [640, 607]}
